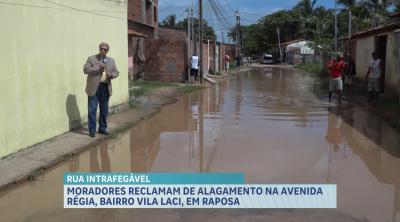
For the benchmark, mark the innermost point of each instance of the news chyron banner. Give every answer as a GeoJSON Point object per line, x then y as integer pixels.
{"type": "Point", "coordinates": [189, 190]}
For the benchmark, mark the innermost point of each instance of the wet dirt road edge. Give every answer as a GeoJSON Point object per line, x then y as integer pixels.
{"type": "Point", "coordinates": [30, 162]}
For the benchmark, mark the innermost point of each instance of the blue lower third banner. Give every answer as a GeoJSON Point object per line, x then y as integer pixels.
{"type": "Point", "coordinates": [225, 194]}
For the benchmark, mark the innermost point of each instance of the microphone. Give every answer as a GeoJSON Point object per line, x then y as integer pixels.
{"type": "Point", "coordinates": [103, 74]}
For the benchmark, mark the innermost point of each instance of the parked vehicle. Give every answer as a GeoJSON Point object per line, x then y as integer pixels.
{"type": "Point", "coordinates": [266, 59]}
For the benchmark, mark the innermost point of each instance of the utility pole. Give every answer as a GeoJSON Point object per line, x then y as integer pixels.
{"type": "Point", "coordinates": [189, 45]}
{"type": "Point", "coordinates": [336, 29]}
{"type": "Point", "coordinates": [194, 33]}
{"type": "Point", "coordinates": [222, 34]}
{"type": "Point", "coordinates": [279, 44]}
{"type": "Point", "coordinates": [201, 40]}
{"type": "Point", "coordinates": [349, 48]}
{"type": "Point", "coordinates": [237, 31]}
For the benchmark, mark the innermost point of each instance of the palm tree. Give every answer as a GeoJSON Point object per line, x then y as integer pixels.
{"type": "Point", "coordinates": [377, 10]}
{"type": "Point", "coordinates": [305, 9]}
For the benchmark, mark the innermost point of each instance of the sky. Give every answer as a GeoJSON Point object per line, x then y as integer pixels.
{"type": "Point", "coordinates": [250, 10]}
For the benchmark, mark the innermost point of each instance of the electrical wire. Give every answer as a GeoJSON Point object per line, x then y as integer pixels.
{"type": "Point", "coordinates": [83, 10]}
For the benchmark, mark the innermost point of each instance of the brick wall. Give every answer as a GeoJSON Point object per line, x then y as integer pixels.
{"type": "Point", "coordinates": [171, 33]}
{"type": "Point", "coordinates": [227, 49]}
{"type": "Point", "coordinates": [138, 11]}
{"type": "Point", "coordinates": [166, 57]}
{"type": "Point", "coordinates": [148, 31]}
{"type": "Point", "coordinates": [135, 10]}
{"type": "Point", "coordinates": [133, 63]}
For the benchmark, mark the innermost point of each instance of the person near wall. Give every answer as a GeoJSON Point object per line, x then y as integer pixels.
{"type": "Point", "coordinates": [336, 67]}
{"type": "Point", "coordinates": [239, 58]}
{"type": "Point", "coordinates": [350, 73]}
{"type": "Point", "coordinates": [194, 71]}
{"type": "Point", "coordinates": [226, 62]}
{"type": "Point", "coordinates": [100, 70]}
{"type": "Point", "coordinates": [374, 77]}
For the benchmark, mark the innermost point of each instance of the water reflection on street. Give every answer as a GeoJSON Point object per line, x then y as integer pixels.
{"type": "Point", "coordinates": [274, 125]}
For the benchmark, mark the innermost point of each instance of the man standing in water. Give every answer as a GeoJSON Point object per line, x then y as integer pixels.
{"type": "Point", "coordinates": [100, 69]}
{"type": "Point", "coordinates": [336, 67]}
{"type": "Point", "coordinates": [374, 76]}
{"type": "Point", "coordinates": [194, 71]}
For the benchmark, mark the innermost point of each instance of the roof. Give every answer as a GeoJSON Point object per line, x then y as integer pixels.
{"type": "Point", "coordinates": [218, 42]}
{"type": "Point", "coordinates": [290, 42]}
{"type": "Point", "coordinates": [141, 23]}
{"type": "Point", "coordinates": [131, 32]}
{"type": "Point", "coordinates": [374, 31]}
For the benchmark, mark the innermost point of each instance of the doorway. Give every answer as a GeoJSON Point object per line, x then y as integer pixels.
{"type": "Point", "coordinates": [380, 49]}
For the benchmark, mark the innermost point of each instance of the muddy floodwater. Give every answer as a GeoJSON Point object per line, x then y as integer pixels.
{"type": "Point", "coordinates": [273, 124]}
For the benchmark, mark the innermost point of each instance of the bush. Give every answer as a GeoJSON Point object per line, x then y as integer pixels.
{"type": "Point", "coordinates": [313, 68]}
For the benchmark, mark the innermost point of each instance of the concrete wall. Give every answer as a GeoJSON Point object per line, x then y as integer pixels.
{"type": "Point", "coordinates": [43, 49]}
{"type": "Point", "coordinates": [364, 48]}
{"type": "Point", "coordinates": [393, 62]}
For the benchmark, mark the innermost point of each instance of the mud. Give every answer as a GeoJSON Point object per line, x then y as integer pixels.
{"type": "Point", "coordinates": [275, 125]}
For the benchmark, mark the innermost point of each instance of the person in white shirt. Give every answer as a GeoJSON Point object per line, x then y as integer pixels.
{"type": "Point", "coordinates": [374, 76]}
{"type": "Point", "coordinates": [194, 71]}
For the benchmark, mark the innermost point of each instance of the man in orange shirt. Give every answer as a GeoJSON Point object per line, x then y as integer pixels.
{"type": "Point", "coordinates": [336, 67]}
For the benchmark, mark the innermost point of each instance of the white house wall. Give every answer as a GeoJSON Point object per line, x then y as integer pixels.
{"type": "Point", "coordinates": [364, 48]}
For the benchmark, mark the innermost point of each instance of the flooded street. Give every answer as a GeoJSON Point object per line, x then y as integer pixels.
{"type": "Point", "coordinates": [274, 125]}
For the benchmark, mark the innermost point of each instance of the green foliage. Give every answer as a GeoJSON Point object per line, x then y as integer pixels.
{"type": "Point", "coordinates": [208, 32]}
{"type": "Point", "coordinates": [169, 21]}
{"type": "Point", "coordinates": [305, 21]}
{"type": "Point", "coordinates": [189, 88]}
{"type": "Point", "coordinates": [141, 87]}
{"type": "Point", "coordinates": [313, 68]}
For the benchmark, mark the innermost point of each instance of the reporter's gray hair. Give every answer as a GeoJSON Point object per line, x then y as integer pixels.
{"type": "Point", "coordinates": [104, 44]}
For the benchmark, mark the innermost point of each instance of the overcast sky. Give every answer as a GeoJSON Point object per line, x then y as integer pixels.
{"type": "Point", "coordinates": [250, 10]}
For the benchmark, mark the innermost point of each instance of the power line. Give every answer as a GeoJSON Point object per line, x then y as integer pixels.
{"type": "Point", "coordinates": [229, 6]}
{"type": "Point", "coordinates": [124, 2]}
{"type": "Point", "coordinates": [218, 13]}
{"type": "Point", "coordinates": [82, 10]}
{"type": "Point", "coordinates": [49, 7]}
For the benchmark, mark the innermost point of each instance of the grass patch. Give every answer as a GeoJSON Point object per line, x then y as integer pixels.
{"type": "Point", "coordinates": [132, 104]}
{"type": "Point", "coordinates": [313, 68]}
{"type": "Point", "coordinates": [141, 87]}
{"type": "Point", "coordinates": [189, 88]}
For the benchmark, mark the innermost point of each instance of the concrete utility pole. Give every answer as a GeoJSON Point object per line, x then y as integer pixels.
{"type": "Point", "coordinates": [201, 40]}
{"type": "Point", "coordinates": [237, 31]}
{"type": "Point", "coordinates": [349, 48]}
{"type": "Point", "coordinates": [194, 34]}
{"type": "Point", "coordinates": [279, 44]}
{"type": "Point", "coordinates": [189, 45]}
{"type": "Point", "coordinates": [336, 29]}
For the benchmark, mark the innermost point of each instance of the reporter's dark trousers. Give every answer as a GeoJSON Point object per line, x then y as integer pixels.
{"type": "Point", "coordinates": [101, 98]}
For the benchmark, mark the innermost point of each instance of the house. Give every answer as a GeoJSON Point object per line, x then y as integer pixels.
{"type": "Point", "coordinates": [297, 51]}
{"type": "Point", "coordinates": [385, 41]}
{"type": "Point", "coordinates": [142, 26]}
{"type": "Point", "coordinates": [155, 52]}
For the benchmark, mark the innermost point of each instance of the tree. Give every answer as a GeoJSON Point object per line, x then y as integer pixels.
{"type": "Point", "coordinates": [208, 32]}
{"type": "Point", "coordinates": [169, 21]}
{"type": "Point", "coordinates": [305, 10]}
